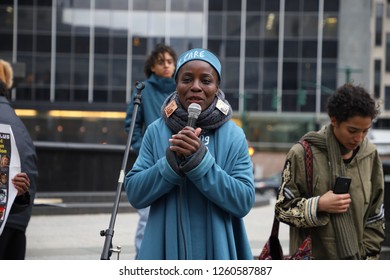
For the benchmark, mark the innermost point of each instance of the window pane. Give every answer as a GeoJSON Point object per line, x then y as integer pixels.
{"type": "Point", "coordinates": [253, 25]}
{"type": "Point", "coordinates": [232, 97]}
{"type": "Point", "coordinates": [309, 49]}
{"type": "Point", "coordinates": [378, 24]}
{"type": "Point", "coordinates": [42, 72]}
{"type": "Point", "coordinates": [271, 5]}
{"type": "Point", "coordinates": [330, 26]}
{"type": "Point", "coordinates": [309, 72]}
{"type": "Point", "coordinates": [138, 70]}
{"type": "Point", "coordinates": [233, 48]}
{"type": "Point", "coordinates": [101, 45]}
{"type": "Point", "coordinates": [290, 75]}
{"type": "Point", "coordinates": [271, 25]}
{"type": "Point", "coordinates": [118, 96]}
{"type": "Point", "coordinates": [252, 48]}
{"type": "Point", "coordinates": [118, 74]}
{"type": "Point", "coordinates": [119, 45]}
{"type": "Point", "coordinates": [194, 5]}
{"type": "Point", "coordinates": [6, 42]}
{"type": "Point", "coordinates": [387, 52]}
{"type": "Point", "coordinates": [43, 19]}
{"type": "Point", "coordinates": [100, 96]}
{"type": "Point", "coordinates": [101, 72]}
{"type": "Point", "coordinates": [24, 93]}
{"type": "Point", "coordinates": [63, 44]}
{"type": "Point", "coordinates": [25, 42]}
{"type": "Point", "coordinates": [271, 48]}
{"type": "Point", "coordinates": [81, 95]}
{"type": "Point", "coordinates": [329, 75]}
{"type": "Point", "coordinates": [331, 5]}
{"type": "Point", "coordinates": [290, 49]}
{"type": "Point", "coordinates": [81, 71]}
{"type": "Point", "coordinates": [63, 71]}
{"type": "Point", "coordinates": [329, 49]}
{"type": "Point", "coordinates": [62, 95]}
{"type": "Point", "coordinates": [119, 4]}
{"type": "Point", "coordinates": [63, 26]}
{"type": "Point", "coordinates": [215, 46]}
{"type": "Point", "coordinates": [216, 5]}
{"type": "Point", "coordinates": [310, 6]}
{"type": "Point", "coordinates": [377, 78]}
{"type": "Point", "coordinates": [270, 74]}
{"type": "Point", "coordinates": [6, 20]}
{"type": "Point", "coordinates": [252, 75]}
{"type": "Point", "coordinates": [233, 25]}
{"type": "Point", "coordinates": [232, 72]}
{"type": "Point", "coordinates": [292, 5]}
{"type": "Point", "coordinates": [309, 26]}
{"type": "Point", "coordinates": [215, 25]}
{"type": "Point", "coordinates": [42, 94]}
{"type": "Point", "coordinates": [25, 19]}
{"type": "Point", "coordinates": [44, 43]}
{"type": "Point", "coordinates": [254, 6]}
{"type": "Point", "coordinates": [233, 5]}
{"type": "Point", "coordinates": [81, 44]}
{"type": "Point", "coordinates": [291, 26]}
{"type": "Point", "coordinates": [387, 98]}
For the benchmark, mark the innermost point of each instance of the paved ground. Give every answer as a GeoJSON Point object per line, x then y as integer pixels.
{"type": "Point", "coordinates": [77, 237]}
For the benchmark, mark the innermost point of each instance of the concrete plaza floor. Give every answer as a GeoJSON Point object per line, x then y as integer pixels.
{"type": "Point", "coordinates": [77, 237]}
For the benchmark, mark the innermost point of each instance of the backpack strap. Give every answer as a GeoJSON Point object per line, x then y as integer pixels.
{"type": "Point", "coordinates": [308, 165]}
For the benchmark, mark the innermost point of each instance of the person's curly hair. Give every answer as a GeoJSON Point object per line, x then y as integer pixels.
{"type": "Point", "coordinates": [157, 52]}
{"type": "Point", "coordinates": [350, 101]}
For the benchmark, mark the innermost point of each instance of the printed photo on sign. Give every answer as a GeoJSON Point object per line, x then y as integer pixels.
{"type": "Point", "coordinates": [9, 167]}
{"type": "Point", "coordinates": [3, 196]}
{"type": "Point", "coordinates": [2, 213]}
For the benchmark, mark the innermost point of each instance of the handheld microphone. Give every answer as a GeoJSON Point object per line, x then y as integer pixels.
{"type": "Point", "coordinates": [194, 111]}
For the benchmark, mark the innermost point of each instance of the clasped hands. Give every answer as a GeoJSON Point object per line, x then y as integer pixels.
{"type": "Point", "coordinates": [186, 142]}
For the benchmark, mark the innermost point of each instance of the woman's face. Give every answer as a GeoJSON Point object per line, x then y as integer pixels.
{"type": "Point", "coordinates": [164, 66]}
{"type": "Point", "coordinates": [4, 161]}
{"type": "Point", "coordinates": [197, 82]}
{"type": "Point", "coordinates": [351, 133]}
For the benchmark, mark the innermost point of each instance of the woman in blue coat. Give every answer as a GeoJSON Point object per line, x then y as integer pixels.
{"type": "Point", "coordinates": [198, 181]}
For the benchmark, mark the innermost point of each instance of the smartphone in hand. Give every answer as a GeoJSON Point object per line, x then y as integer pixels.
{"type": "Point", "coordinates": [342, 185]}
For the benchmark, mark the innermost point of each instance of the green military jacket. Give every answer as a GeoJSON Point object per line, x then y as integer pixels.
{"type": "Point", "coordinates": [296, 208]}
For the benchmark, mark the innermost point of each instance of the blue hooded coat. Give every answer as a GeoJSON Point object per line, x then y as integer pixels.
{"type": "Point", "coordinates": [156, 90]}
{"type": "Point", "coordinates": [198, 215]}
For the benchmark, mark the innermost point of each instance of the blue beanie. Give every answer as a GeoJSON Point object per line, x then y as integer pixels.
{"type": "Point", "coordinates": [199, 54]}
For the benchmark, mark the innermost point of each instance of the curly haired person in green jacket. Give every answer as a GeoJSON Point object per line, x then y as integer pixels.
{"type": "Point", "coordinates": [342, 226]}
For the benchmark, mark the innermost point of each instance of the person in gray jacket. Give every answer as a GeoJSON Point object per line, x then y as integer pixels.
{"type": "Point", "coordinates": [342, 226]}
{"type": "Point", "coordinates": [13, 237]}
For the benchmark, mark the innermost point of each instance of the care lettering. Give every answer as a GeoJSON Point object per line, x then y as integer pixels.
{"type": "Point", "coordinates": [192, 55]}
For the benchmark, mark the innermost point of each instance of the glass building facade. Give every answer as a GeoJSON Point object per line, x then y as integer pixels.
{"type": "Point", "coordinates": [76, 61]}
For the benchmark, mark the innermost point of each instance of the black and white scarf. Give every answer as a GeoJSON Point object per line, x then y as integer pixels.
{"type": "Point", "coordinates": [209, 119]}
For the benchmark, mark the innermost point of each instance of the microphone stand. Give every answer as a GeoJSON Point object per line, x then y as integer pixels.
{"type": "Point", "coordinates": [109, 233]}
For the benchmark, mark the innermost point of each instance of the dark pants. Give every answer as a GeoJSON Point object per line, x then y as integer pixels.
{"type": "Point", "coordinates": [12, 244]}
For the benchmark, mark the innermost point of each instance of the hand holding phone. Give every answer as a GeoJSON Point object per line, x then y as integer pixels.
{"type": "Point", "coordinates": [342, 185]}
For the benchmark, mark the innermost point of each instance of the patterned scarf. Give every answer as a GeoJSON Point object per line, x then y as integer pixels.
{"type": "Point", "coordinates": [209, 119]}
{"type": "Point", "coordinates": [346, 239]}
